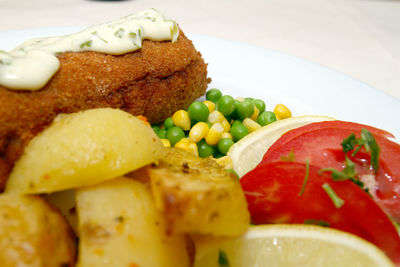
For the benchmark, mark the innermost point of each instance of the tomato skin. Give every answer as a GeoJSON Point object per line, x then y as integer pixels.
{"type": "Point", "coordinates": [336, 124]}
{"type": "Point", "coordinates": [272, 191]}
{"type": "Point", "coordinates": [322, 147]}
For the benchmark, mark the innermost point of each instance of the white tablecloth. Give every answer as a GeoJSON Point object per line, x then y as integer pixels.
{"type": "Point", "coordinates": [358, 37]}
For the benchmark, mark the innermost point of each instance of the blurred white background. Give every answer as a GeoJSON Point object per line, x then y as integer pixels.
{"type": "Point", "coordinates": [360, 38]}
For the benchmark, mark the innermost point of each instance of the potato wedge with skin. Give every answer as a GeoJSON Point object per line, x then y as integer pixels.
{"type": "Point", "coordinates": [198, 196]}
{"type": "Point", "coordinates": [82, 149]}
{"type": "Point", "coordinates": [32, 233]}
{"type": "Point", "coordinates": [119, 226]}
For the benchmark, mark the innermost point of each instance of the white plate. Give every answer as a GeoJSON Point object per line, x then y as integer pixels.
{"type": "Point", "coordinates": [306, 88]}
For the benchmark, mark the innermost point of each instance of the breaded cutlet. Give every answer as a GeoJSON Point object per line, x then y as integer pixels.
{"type": "Point", "coordinates": [154, 81]}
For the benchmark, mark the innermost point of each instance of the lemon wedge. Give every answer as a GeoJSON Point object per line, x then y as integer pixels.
{"type": "Point", "coordinates": [248, 152]}
{"type": "Point", "coordinates": [289, 245]}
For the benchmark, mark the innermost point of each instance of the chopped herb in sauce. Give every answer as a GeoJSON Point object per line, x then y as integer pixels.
{"type": "Point", "coordinates": [99, 37]}
{"type": "Point", "coordinates": [119, 33]}
{"type": "Point", "coordinates": [86, 44]}
{"type": "Point", "coordinates": [34, 62]}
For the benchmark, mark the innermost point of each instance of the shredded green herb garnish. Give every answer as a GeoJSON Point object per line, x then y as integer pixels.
{"type": "Point", "coordinates": [223, 259]}
{"type": "Point", "coordinates": [303, 187]}
{"type": "Point", "coordinates": [371, 146]}
{"type": "Point", "coordinates": [289, 157]}
{"type": "Point", "coordinates": [349, 143]}
{"type": "Point", "coordinates": [367, 141]}
{"type": "Point", "coordinates": [348, 172]}
{"type": "Point", "coordinates": [397, 226]}
{"type": "Point", "coordinates": [317, 222]}
{"type": "Point", "coordinates": [150, 18]}
{"type": "Point", "coordinates": [86, 44]}
{"type": "Point", "coordinates": [337, 201]}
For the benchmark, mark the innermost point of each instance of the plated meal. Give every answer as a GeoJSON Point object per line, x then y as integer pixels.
{"type": "Point", "coordinates": [116, 151]}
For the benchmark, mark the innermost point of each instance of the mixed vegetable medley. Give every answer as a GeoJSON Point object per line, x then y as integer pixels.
{"type": "Point", "coordinates": [211, 127]}
{"type": "Point", "coordinates": [335, 174]}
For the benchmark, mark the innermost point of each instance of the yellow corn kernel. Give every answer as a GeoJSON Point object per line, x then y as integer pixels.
{"type": "Point", "coordinates": [226, 125]}
{"type": "Point", "coordinates": [198, 131]}
{"type": "Point", "coordinates": [166, 142]}
{"type": "Point", "coordinates": [282, 112]}
{"type": "Point", "coordinates": [181, 119]}
{"type": "Point", "coordinates": [214, 134]}
{"type": "Point", "coordinates": [255, 114]}
{"type": "Point", "coordinates": [216, 116]}
{"type": "Point", "coordinates": [251, 125]}
{"type": "Point", "coordinates": [192, 148]}
{"type": "Point", "coordinates": [210, 105]}
{"type": "Point", "coordinates": [226, 135]}
{"type": "Point", "coordinates": [183, 143]}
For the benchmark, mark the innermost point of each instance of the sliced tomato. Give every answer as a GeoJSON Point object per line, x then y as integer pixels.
{"type": "Point", "coordinates": [322, 147]}
{"type": "Point", "coordinates": [273, 193]}
{"type": "Point", "coordinates": [325, 125]}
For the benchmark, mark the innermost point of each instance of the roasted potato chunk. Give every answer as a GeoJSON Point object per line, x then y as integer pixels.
{"type": "Point", "coordinates": [198, 196]}
{"type": "Point", "coordinates": [119, 226]}
{"type": "Point", "coordinates": [82, 149]}
{"type": "Point", "coordinates": [32, 233]}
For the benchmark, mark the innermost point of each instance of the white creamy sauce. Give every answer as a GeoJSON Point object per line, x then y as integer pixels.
{"type": "Point", "coordinates": [32, 64]}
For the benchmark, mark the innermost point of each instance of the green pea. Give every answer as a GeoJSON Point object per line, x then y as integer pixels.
{"type": "Point", "coordinates": [250, 99]}
{"type": "Point", "coordinates": [218, 154]}
{"type": "Point", "coordinates": [155, 128]}
{"type": "Point", "coordinates": [259, 104]}
{"type": "Point", "coordinates": [198, 111]}
{"type": "Point", "coordinates": [168, 123]}
{"type": "Point", "coordinates": [205, 150]}
{"type": "Point", "coordinates": [174, 134]}
{"type": "Point", "coordinates": [224, 144]}
{"type": "Point", "coordinates": [266, 118]}
{"type": "Point", "coordinates": [234, 114]}
{"type": "Point", "coordinates": [213, 95]}
{"type": "Point", "coordinates": [226, 105]}
{"type": "Point", "coordinates": [244, 109]}
{"type": "Point", "coordinates": [236, 122]}
{"type": "Point", "coordinates": [239, 131]}
{"type": "Point", "coordinates": [162, 133]}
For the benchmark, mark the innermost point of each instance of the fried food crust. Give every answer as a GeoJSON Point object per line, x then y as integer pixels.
{"type": "Point", "coordinates": [154, 81]}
